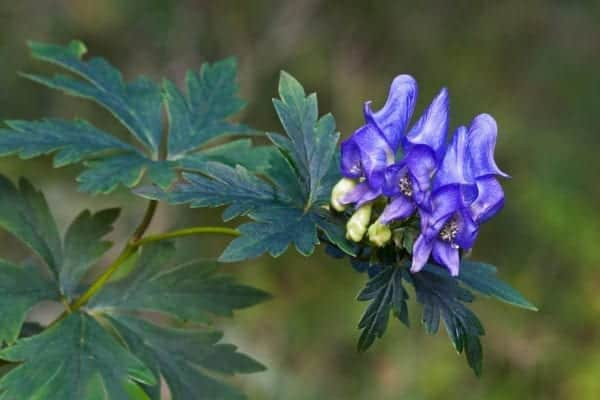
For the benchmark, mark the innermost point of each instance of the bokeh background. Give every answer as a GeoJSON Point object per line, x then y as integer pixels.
{"type": "Point", "coordinates": [534, 65]}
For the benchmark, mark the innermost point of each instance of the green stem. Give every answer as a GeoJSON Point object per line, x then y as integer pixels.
{"type": "Point", "coordinates": [141, 229]}
{"type": "Point", "coordinates": [188, 232]}
{"type": "Point", "coordinates": [112, 268]}
{"type": "Point", "coordinates": [132, 247]}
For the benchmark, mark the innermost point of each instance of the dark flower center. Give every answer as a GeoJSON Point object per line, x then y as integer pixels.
{"type": "Point", "coordinates": [405, 185]}
{"type": "Point", "coordinates": [449, 231]}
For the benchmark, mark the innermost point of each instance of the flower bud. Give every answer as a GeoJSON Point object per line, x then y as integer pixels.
{"type": "Point", "coordinates": [379, 234]}
{"type": "Point", "coordinates": [358, 223]}
{"type": "Point", "coordinates": [343, 187]}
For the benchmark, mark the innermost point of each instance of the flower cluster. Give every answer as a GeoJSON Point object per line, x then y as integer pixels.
{"type": "Point", "coordinates": [394, 173]}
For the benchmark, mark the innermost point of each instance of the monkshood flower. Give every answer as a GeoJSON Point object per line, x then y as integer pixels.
{"type": "Point", "coordinates": [465, 195]}
{"type": "Point", "coordinates": [369, 155]}
{"type": "Point", "coordinates": [369, 164]}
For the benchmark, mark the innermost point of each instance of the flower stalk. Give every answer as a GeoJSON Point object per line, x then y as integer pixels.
{"type": "Point", "coordinates": [136, 241]}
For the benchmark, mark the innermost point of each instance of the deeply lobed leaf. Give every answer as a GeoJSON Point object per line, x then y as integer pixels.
{"type": "Point", "coordinates": [74, 359]}
{"type": "Point", "coordinates": [285, 202]}
{"type": "Point", "coordinates": [25, 213]}
{"type": "Point", "coordinates": [21, 288]}
{"type": "Point", "coordinates": [189, 292]}
{"type": "Point", "coordinates": [386, 294]}
{"type": "Point", "coordinates": [195, 121]}
{"type": "Point", "coordinates": [444, 299]}
{"type": "Point", "coordinates": [182, 356]}
{"type": "Point", "coordinates": [83, 246]}
{"type": "Point", "coordinates": [192, 361]}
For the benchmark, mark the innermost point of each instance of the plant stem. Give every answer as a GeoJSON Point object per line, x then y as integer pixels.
{"type": "Point", "coordinates": [141, 229]}
{"type": "Point", "coordinates": [132, 247]}
{"type": "Point", "coordinates": [189, 232]}
{"type": "Point", "coordinates": [127, 251]}
{"type": "Point", "coordinates": [137, 240]}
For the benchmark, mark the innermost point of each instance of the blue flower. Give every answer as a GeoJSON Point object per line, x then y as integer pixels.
{"type": "Point", "coordinates": [465, 194]}
{"type": "Point", "coordinates": [369, 155]}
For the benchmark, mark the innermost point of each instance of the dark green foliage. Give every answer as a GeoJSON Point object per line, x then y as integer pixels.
{"type": "Point", "coordinates": [287, 207]}
{"type": "Point", "coordinates": [83, 246]}
{"type": "Point", "coordinates": [386, 293]}
{"type": "Point", "coordinates": [74, 359]}
{"type": "Point", "coordinates": [189, 292]}
{"type": "Point", "coordinates": [182, 355]}
{"type": "Point", "coordinates": [101, 353]}
{"type": "Point", "coordinates": [20, 289]}
{"type": "Point", "coordinates": [25, 214]}
{"type": "Point", "coordinates": [195, 121]}
{"type": "Point", "coordinates": [444, 299]}
{"type": "Point", "coordinates": [481, 277]}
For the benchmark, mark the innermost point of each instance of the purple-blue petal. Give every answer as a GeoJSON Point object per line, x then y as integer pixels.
{"type": "Point", "coordinates": [374, 154]}
{"type": "Point", "coordinates": [392, 175]}
{"type": "Point", "coordinates": [455, 167]}
{"type": "Point", "coordinates": [445, 201]}
{"type": "Point", "coordinates": [467, 230]}
{"type": "Point", "coordinates": [350, 161]}
{"type": "Point", "coordinates": [393, 118]}
{"type": "Point", "coordinates": [421, 251]}
{"type": "Point", "coordinates": [447, 255]}
{"type": "Point", "coordinates": [361, 194]}
{"type": "Point", "coordinates": [482, 142]}
{"type": "Point", "coordinates": [399, 208]}
{"type": "Point", "coordinates": [490, 199]}
{"type": "Point", "coordinates": [421, 162]}
{"type": "Point", "coordinates": [431, 129]}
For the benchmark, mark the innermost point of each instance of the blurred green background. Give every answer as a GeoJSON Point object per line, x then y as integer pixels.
{"type": "Point", "coordinates": [534, 65]}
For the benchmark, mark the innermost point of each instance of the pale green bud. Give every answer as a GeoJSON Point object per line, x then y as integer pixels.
{"type": "Point", "coordinates": [379, 234]}
{"type": "Point", "coordinates": [343, 187]}
{"type": "Point", "coordinates": [358, 223]}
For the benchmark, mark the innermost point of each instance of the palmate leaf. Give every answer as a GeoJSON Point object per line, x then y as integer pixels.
{"type": "Point", "coordinates": [286, 207]}
{"type": "Point", "coordinates": [108, 351]}
{"type": "Point", "coordinates": [83, 246]}
{"type": "Point", "coordinates": [191, 360]}
{"type": "Point", "coordinates": [195, 121]}
{"type": "Point", "coordinates": [386, 294]}
{"type": "Point", "coordinates": [180, 356]}
{"type": "Point", "coordinates": [74, 359]}
{"type": "Point", "coordinates": [190, 291]}
{"type": "Point", "coordinates": [25, 213]}
{"type": "Point", "coordinates": [21, 288]}
{"type": "Point", "coordinates": [444, 299]}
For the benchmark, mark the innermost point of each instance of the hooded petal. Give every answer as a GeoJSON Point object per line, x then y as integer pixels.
{"type": "Point", "coordinates": [360, 195]}
{"type": "Point", "coordinates": [482, 142]}
{"type": "Point", "coordinates": [431, 129]}
{"type": "Point", "coordinates": [399, 208]}
{"type": "Point", "coordinates": [454, 168]}
{"type": "Point", "coordinates": [490, 199]}
{"type": "Point", "coordinates": [366, 151]}
{"type": "Point", "coordinates": [421, 251]}
{"type": "Point", "coordinates": [393, 118]}
{"type": "Point", "coordinates": [350, 162]}
{"type": "Point", "coordinates": [447, 255]}
{"type": "Point", "coordinates": [445, 202]}
{"type": "Point", "coordinates": [467, 230]}
{"type": "Point", "coordinates": [421, 163]}
{"type": "Point", "coordinates": [392, 176]}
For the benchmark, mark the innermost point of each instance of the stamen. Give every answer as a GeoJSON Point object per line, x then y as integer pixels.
{"type": "Point", "coordinates": [406, 186]}
{"type": "Point", "coordinates": [449, 231]}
